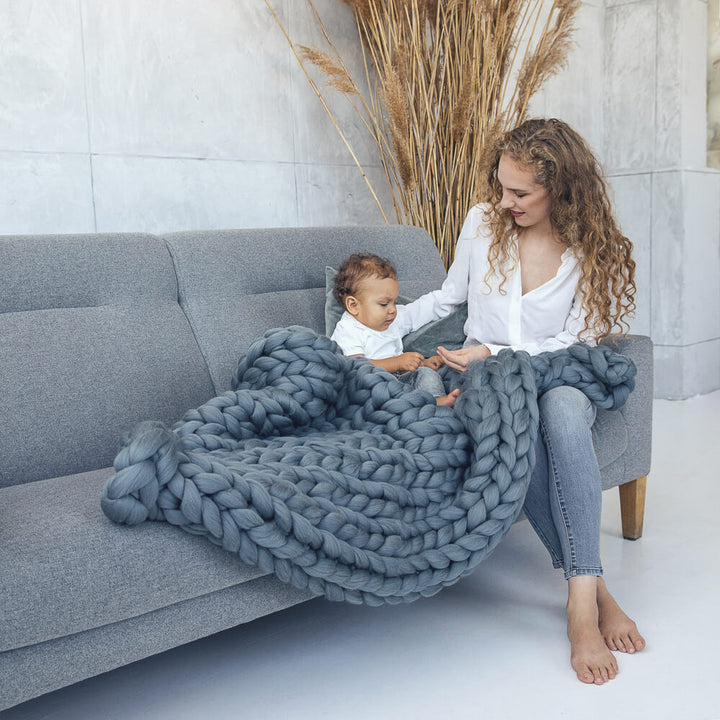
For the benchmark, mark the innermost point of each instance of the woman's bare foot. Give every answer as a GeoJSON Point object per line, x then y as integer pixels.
{"type": "Point", "coordinates": [448, 400]}
{"type": "Point", "coordinates": [618, 630]}
{"type": "Point", "coordinates": [589, 654]}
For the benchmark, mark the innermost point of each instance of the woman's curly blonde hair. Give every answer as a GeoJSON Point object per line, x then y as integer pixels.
{"type": "Point", "coordinates": [580, 213]}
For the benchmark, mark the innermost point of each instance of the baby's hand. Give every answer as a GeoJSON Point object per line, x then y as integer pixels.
{"type": "Point", "coordinates": [409, 361]}
{"type": "Point", "coordinates": [435, 362]}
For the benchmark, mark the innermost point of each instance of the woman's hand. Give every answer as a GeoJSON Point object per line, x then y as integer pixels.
{"type": "Point", "coordinates": [459, 359]}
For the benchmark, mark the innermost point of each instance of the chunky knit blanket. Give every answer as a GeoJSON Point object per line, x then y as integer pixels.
{"type": "Point", "coordinates": [337, 477]}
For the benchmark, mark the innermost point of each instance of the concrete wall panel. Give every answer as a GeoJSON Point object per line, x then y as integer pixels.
{"type": "Point", "coordinates": [166, 194]}
{"type": "Point", "coordinates": [187, 78]}
{"type": "Point", "coordinates": [629, 97]}
{"type": "Point", "coordinates": [575, 94]}
{"type": "Point", "coordinates": [632, 196]}
{"type": "Point", "coordinates": [45, 193]}
{"type": "Point", "coordinates": [337, 194]}
{"type": "Point", "coordinates": [42, 90]}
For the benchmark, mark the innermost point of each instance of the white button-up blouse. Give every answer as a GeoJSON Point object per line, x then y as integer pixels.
{"type": "Point", "coordinates": [549, 317]}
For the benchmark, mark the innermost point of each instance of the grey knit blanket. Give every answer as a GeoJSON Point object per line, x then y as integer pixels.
{"type": "Point", "coordinates": [337, 477]}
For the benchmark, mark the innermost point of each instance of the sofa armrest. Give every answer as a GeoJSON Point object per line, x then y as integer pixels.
{"type": "Point", "coordinates": [637, 411]}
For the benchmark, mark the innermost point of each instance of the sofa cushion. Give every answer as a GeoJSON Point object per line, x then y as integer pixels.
{"type": "Point", "coordinates": [93, 341]}
{"type": "Point", "coordinates": [95, 571]}
{"type": "Point", "coordinates": [35, 669]}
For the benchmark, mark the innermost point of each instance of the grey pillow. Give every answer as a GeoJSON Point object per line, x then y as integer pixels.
{"type": "Point", "coordinates": [447, 331]}
{"type": "Point", "coordinates": [333, 311]}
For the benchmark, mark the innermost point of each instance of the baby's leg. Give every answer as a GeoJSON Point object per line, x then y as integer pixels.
{"type": "Point", "coordinates": [427, 379]}
{"type": "Point", "coordinates": [449, 399]}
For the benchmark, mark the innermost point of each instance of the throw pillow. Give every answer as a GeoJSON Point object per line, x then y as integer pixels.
{"type": "Point", "coordinates": [448, 332]}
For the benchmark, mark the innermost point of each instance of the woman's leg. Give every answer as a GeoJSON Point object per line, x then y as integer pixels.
{"type": "Point", "coordinates": [563, 504]}
{"type": "Point", "coordinates": [564, 499]}
{"type": "Point", "coordinates": [590, 656]}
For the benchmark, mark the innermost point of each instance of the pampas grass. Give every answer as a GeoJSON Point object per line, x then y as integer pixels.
{"type": "Point", "coordinates": [444, 78]}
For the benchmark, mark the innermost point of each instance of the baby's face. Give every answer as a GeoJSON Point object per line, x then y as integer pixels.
{"type": "Point", "coordinates": [374, 304]}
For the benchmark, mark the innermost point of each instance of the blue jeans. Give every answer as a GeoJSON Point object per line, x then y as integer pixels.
{"type": "Point", "coordinates": [564, 499]}
{"type": "Point", "coordinates": [424, 378]}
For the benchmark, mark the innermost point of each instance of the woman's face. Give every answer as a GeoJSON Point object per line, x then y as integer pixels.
{"type": "Point", "coordinates": [528, 202]}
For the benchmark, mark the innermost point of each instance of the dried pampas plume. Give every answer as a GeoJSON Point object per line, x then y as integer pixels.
{"type": "Point", "coordinates": [444, 78]}
{"type": "Point", "coordinates": [338, 77]}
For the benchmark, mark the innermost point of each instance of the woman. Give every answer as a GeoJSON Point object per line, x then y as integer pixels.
{"type": "Point", "coordinates": [541, 266]}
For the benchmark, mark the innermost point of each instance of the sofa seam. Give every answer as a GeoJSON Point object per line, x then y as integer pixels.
{"type": "Point", "coordinates": [187, 313]}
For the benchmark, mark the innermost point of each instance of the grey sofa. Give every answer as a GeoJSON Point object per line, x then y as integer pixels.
{"type": "Point", "coordinates": [99, 332]}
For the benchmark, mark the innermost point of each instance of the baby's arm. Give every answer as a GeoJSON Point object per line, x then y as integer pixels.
{"type": "Point", "coordinates": [408, 361]}
{"type": "Point", "coordinates": [354, 345]}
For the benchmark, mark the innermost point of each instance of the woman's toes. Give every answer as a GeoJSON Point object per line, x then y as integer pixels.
{"type": "Point", "coordinates": [621, 644]}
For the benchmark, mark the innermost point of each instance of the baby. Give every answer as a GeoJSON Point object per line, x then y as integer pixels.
{"type": "Point", "coordinates": [373, 326]}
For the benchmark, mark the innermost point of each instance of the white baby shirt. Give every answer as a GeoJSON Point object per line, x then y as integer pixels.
{"type": "Point", "coordinates": [354, 338]}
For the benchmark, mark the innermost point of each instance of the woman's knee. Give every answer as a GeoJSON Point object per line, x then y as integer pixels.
{"type": "Point", "coordinates": [567, 407]}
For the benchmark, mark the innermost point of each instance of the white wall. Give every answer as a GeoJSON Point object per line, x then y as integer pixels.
{"type": "Point", "coordinates": [669, 201]}
{"type": "Point", "coordinates": [713, 83]}
{"type": "Point", "coordinates": [166, 115]}
{"type": "Point", "coordinates": [128, 115]}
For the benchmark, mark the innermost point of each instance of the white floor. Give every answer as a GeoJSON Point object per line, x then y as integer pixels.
{"type": "Point", "coordinates": [491, 647]}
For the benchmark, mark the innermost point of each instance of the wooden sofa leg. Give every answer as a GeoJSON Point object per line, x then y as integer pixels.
{"type": "Point", "coordinates": [632, 507]}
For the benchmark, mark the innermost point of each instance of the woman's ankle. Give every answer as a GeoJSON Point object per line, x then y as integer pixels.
{"type": "Point", "coordinates": [583, 591]}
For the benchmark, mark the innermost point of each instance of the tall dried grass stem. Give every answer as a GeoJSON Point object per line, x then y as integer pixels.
{"type": "Point", "coordinates": [443, 78]}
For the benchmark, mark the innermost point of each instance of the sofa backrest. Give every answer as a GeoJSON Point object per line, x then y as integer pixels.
{"type": "Point", "coordinates": [92, 340]}
{"type": "Point", "coordinates": [100, 332]}
{"type": "Point", "coordinates": [236, 284]}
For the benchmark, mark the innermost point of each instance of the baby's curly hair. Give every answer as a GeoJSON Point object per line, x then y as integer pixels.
{"type": "Point", "coordinates": [359, 267]}
{"type": "Point", "coordinates": [580, 213]}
